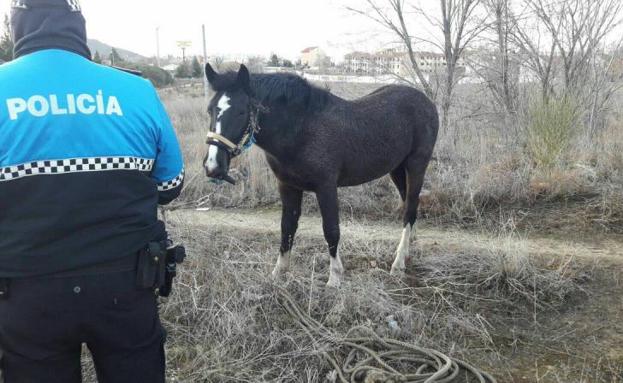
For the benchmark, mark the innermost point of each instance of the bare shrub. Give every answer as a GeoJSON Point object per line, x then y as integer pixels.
{"type": "Point", "coordinates": [551, 128]}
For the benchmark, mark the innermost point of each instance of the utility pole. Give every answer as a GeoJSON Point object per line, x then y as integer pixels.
{"type": "Point", "coordinates": [205, 61]}
{"type": "Point", "coordinates": [158, 47]}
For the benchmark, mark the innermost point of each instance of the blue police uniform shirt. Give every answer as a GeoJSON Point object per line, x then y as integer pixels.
{"type": "Point", "coordinates": [86, 154]}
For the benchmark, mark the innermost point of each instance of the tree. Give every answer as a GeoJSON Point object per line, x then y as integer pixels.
{"type": "Point", "coordinates": [325, 63]}
{"type": "Point", "coordinates": [503, 26]}
{"type": "Point", "coordinates": [457, 34]}
{"type": "Point", "coordinates": [563, 44]}
{"type": "Point", "coordinates": [218, 63]}
{"type": "Point", "coordinates": [197, 69]}
{"type": "Point", "coordinates": [6, 41]}
{"type": "Point", "coordinates": [274, 61]}
{"type": "Point", "coordinates": [604, 84]}
{"type": "Point", "coordinates": [457, 27]}
{"type": "Point", "coordinates": [183, 71]}
{"type": "Point", "coordinates": [574, 31]}
{"type": "Point", "coordinates": [97, 58]}
{"type": "Point", "coordinates": [158, 76]}
{"type": "Point", "coordinates": [390, 14]}
{"type": "Point", "coordinates": [288, 64]}
{"type": "Point", "coordinates": [256, 64]}
{"type": "Point", "coordinates": [115, 57]}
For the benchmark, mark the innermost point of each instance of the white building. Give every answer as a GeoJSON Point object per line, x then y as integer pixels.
{"type": "Point", "coordinates": [394, 61]}
{"type": "Point", "coordinates": [314, 57]}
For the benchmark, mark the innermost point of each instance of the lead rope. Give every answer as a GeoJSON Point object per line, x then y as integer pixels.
{"type": "Point", "coordinates": [254, 123]}
{"type": "Point", "coordinates": [370, 355]}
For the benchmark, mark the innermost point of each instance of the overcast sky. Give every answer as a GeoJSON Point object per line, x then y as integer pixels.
{"type": "Point", "coordinates": [239, 27]}
{"type": "Point", "coordinates": [233, 26]}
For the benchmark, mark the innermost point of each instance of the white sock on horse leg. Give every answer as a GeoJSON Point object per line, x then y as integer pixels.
{"type": "Point", "coordinates": [336, 271]}
{"type": "Point", "coordinates": [283, 264]}
{"type": "Point", "coordinates": [402, 253]}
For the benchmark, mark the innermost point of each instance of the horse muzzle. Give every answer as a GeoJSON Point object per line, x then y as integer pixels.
{"type": "Point", "coordinates": [219, 176]}
{"type": "Point", "coordinates": [227, 178]}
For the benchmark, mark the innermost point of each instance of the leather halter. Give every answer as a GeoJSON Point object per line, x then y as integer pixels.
{"type": "Point", "coordinates": [248, 138]}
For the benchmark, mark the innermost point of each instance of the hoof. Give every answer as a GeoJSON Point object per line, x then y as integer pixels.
{"type": "Point", "coordinates": [398, 271]}
{"type": "Point", "coordinates": [278, 272]}
{"type": "Point", "coordinates": [275, 274]}
{"type": "Point", "coordinates": [334, 282]}
{"type": "Point", "coordinates": [282, 266]}
{"type": "Point", "coordinates": [336, 273]}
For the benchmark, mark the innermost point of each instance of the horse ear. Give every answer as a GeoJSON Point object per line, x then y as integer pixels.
{"type": "Point", "coordinates": [244, 77]}
{"type": "Point", "coordinates": [210, 73]}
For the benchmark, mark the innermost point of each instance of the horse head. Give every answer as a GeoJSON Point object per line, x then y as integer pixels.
{"type": "Point", "coordinates": [233, 120]}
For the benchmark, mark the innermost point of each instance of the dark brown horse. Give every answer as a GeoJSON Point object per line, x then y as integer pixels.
{"type": "Point", "coordinates": [315, 141]}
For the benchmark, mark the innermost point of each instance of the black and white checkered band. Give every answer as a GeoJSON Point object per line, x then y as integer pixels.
{"type": "Point", "coordinates": [75, 165]}
{"type": "Point", "coordinates": [74, 5]}
{"type": "Point", "coordinates": [170, 185]}
{"type": "Point", "coordinates": [18, 4]}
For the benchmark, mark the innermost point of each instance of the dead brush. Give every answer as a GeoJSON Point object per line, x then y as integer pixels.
{"type": "Point", "coordinates": [504, 273]}
{"type": "Point", "coordinates": [226, 323]}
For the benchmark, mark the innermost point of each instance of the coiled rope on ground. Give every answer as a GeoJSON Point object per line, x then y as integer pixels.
{"type": "Point", "coordinates": [373, 359]}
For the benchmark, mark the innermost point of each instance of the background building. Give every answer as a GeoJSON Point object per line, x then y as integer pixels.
{"type": "Point", "coordinates": [394, 61]}
{"type": "Point", "coordinates": [315, 58]}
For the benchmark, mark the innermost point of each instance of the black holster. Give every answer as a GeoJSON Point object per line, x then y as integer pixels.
{"type": "Point", "coordinates": [157, 266]}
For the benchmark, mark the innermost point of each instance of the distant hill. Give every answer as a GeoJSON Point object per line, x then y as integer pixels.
{"type": "Point", "coordinates": [105, 50]}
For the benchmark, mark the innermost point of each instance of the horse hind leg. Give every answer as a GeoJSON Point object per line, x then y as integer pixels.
{"type": "Point", "coordinates": [399, 177]}
{"type": "Point", "coordinates": [415, 171]}
{"type": "Point", "coordinates": [291, 200]}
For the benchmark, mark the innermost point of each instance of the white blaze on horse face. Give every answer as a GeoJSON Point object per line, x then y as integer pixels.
{"type": "Point", "coordinates": [402, 253]}
{"type": "Point", "coordinates": [336, 272]}
{"type": "Point", "coordinates": [223, 105]}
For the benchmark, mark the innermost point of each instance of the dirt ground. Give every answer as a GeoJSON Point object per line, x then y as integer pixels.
{"type": "Point", "coordinates": [582, 342]}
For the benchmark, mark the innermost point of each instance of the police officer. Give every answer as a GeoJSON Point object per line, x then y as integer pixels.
{"type": "Point", "coordinates": [87, 153]}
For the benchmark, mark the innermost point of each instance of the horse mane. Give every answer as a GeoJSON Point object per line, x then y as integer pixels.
{"type": "Point", "coordinates": [286, 89]}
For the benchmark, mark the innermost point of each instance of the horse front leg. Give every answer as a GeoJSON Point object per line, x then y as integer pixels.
{"type": "Point", "coordinates": [329, 208]}
{"type": "Point", "coordinates": [291, 200]}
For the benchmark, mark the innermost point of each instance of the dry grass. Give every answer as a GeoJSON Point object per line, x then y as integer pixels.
{"type": "Point", "coordinates": [491, 307]}
{"type": "Point", "coordinates": [482, 167]}
{"type": "Point", "coordinates": [492, 302]}
{"type": "Point", "coordinates": [226, 325]}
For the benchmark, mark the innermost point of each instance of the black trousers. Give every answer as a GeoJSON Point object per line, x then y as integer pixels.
{"type": "Point", "coordinates": [44, 323]}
